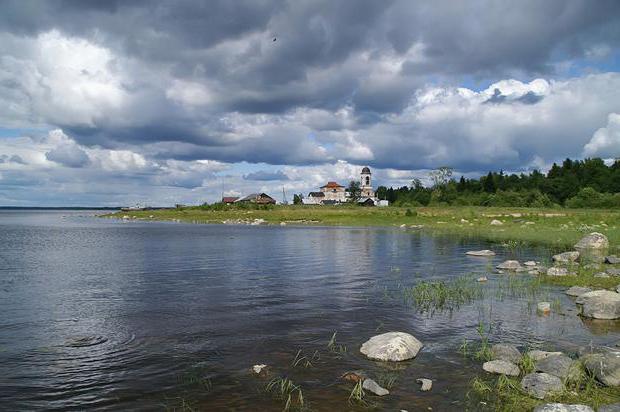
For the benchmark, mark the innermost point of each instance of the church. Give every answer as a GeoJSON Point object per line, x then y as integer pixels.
{"type": "Point", "coordinates": [334, 193]}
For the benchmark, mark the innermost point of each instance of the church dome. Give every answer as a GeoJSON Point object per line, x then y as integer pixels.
{"type": "Point", "coordinates": [366, 170]}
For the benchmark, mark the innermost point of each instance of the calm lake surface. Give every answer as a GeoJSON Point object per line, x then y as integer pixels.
{"type": "Point", "coordinates": [101, 314]}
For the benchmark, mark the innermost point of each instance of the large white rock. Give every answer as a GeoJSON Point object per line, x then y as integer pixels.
{"type": "Point", "coordinates": [392, 346]}
{"type": "Point", "coordinates": [594, 240]}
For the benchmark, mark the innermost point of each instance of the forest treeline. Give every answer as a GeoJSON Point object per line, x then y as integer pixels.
{"type": "Point", "coordinates": [574, 184]}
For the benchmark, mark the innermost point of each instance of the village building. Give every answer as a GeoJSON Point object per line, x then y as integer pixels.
{"type": "Point", "coordinates": [258, 198]}
{"type": "Point", "coordinates": [229, 199]}
{"type": "Point", "coordinates": [333, 193]}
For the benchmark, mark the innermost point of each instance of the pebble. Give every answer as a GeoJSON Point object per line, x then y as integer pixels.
{"type": "Point", "coordinates": [427, 384]}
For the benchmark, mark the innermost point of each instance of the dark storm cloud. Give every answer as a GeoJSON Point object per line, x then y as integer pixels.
{"type": "Point", "coordinates": [205, 80]}
{"type": "Point", "coordinates": [264, 175]}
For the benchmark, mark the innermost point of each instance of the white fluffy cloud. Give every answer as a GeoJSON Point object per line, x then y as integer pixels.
{"type": "Point", "coordinates": [605, 142]}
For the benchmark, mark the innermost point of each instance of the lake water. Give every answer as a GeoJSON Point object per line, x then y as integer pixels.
{"type": "Point", "coordinates": [101, 314]}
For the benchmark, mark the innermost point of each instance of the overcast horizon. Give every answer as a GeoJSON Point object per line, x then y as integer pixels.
{"type": "Point", "coordinates": [159, 102]}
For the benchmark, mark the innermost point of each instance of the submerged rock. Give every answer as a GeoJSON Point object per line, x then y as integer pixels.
{"type": "Point", "coordinates": [258, 368]}
{"type": "Point", "coordinates": [509, 265]}
{"type": "Point", "coordinates": [485, 252]}
{"type": "Point", "coordinates": [505, 352]}
{"type": "Point", "coordinates": [374, 387]}
{"type": "Point", "coordinates": [605, 366]}
{"type": "Point", "coordinates": [559, 365]}
{"type": "Point", "coordinates": [577, 290]}
{"type": "Point", "coordinates": [391, 346]}
{"type": "Point", "coordinates": [540, 384]}
{"type": "Point", "coordinates": [594, 240]}
{"type": "Point", "coordinates": [501, 367]}
{"type": "Point", "coordinates": [566, 257]}
{"type": "Point", "coordinates": [562, 407]}
{"type": "Point", "coordinates": [427, 384]}
{"type": "Point", "coordinates": [354, 376]}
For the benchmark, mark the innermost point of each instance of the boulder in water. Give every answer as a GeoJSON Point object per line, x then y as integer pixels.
{"type": "Point", "coordinates": [509, 265]}
{"type": "Point", "coordinates": [374, 387]}
{"type": "Point", "coordinates": [391, 346]}
{"type": "Point", "coordinates": [485, 252]}
{"type": "Point", "coordinates": [603, 305]}
{"type": "Point", "coordinates": [577, 290]}
{"type": "Point", "coordinates": [427, 384]}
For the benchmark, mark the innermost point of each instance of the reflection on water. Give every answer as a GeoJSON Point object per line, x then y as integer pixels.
{"type": "Point", "coordinates": [101, 314]}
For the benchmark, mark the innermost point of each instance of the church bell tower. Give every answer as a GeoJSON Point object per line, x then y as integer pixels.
{"type": "Point", "coordinates": [366, 183]}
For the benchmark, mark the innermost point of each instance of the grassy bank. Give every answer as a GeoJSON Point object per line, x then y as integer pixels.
{"type": "Point", "coordinates": [559, 228]}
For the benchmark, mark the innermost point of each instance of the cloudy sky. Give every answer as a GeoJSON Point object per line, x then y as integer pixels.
{"type": "Point", "coordinates": [163, 102]}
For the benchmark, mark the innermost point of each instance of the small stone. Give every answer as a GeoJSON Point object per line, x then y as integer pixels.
{"type": "Point", "coordinates": [482, 279]}
{"type": "Point", "coordinates": [258, 368]}
{"type": "Point", "coordinates": [505, 352]}
{"type": "Point", "coordinates": [530, 263]}
{"type": "Point", "coordinates": [540, 384]}
{"type": "Point", "coordinates": [374, 387]}
{"type": "Point", "coordinates": [533, 272]}
{"type": "Point", "coordinates": [354, 376]}
{"type": "Point", "coordinates": [577, 290]}
{"type": "Point", "coordinates": [544, 307]}
{"type": "Point", "coordinates": [537, 355]}
{"type": "Point", "coordinates": [427, 384]}
{"type": "Point", "coordinates": [601, 275]}
{"type": "Point", "coordinates": [501, 367]}
{"type": "Point", "coordinates": [282, 223]}
{"type": "Point", "coordinates": [566, 257]}
{"type": "Point", "coordinates": [612, 260]}
{"type": "Point", "coordinates": [496, 222]}
{"type": "Point", "coordinates": [556, 271]}
{"type": "Point", "coordinates": [604, 366]}
{"type": "Point", "coordinates": [509, 265]}
{"type": "Point", "coordinates": [403, 226]}
{"type": "Point", "coordinates": [562, 407]}
{"type": "Point", "coordinates": [485, 252]}
{"type": "Point", "coordinates": [391, 346]}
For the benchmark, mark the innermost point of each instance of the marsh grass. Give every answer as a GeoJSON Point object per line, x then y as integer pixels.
{"type": "Point", "coordinates": [358, 396]}
{"type": "Point", "coordinates": [179, 404]}
{"type": "Point", "coordinates": [305, 360]}
{"type": "Point", "coordinates": [387, 379]}
{"type": "Point", "coordinates": [335, 347]}
{"type": "Point", "coordinates": [286, 390]}
{"type": "Point", "coordinates": [439, 295]}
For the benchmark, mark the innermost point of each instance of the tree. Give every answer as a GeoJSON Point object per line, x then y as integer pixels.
{"type": "Point", "coordinates": [355, 192]}
{"type": "Point", "coordinates": [489, 184]}
{"type": "Point", "coordinates": [441, 176]}
{"type": "Point", "coordinates": [298, 199]}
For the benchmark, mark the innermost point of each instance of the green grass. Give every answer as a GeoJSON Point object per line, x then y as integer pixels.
{"type": "Point", "coordinates": [431, 296]}
{"type": "Point", "coordinates": [559, 228]}
{"type": "Point", "coordinates": [286, 390]}
{"type": "Point", "coordinates": [505, 394]}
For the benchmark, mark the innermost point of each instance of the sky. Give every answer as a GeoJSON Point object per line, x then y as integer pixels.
{"type": "Point", "coordinates": [106, 103]}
